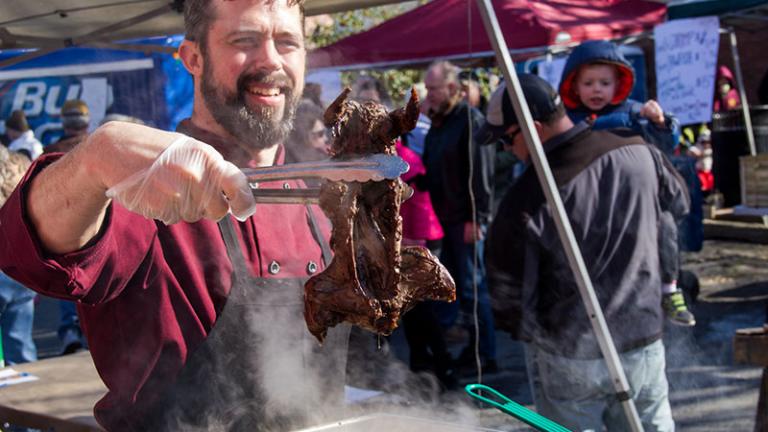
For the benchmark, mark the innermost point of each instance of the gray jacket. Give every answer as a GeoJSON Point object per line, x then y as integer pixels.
{"type": "Point", "coordinates": [613, 188]}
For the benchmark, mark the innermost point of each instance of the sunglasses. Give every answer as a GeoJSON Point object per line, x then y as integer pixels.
{"type": "Point", "coordinates": [509, 139]}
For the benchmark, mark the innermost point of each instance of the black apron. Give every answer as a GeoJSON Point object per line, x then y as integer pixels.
{"type": "Point", "coordinates": [259, 369]}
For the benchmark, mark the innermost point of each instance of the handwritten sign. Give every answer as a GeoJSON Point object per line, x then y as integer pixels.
{"type": "Point", "coordinates": [686, 59]}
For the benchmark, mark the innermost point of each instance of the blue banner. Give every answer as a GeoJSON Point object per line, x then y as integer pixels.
{"type": "Point", "coordinates": [152, 87]}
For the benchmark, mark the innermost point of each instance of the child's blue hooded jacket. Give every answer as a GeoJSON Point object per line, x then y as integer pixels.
{"type": "Point", "coordinates": [621, 112]}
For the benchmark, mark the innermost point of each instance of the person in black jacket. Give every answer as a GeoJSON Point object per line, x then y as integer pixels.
{"type": "Point", "coordinates": [613, 188]}
{"type": "Point", "coordinates": [453, 162]}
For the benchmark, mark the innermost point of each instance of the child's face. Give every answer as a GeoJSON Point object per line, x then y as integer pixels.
{"type": "Point", "coordinates": [724, 85]}
{"type": "Point", "coordinates": [596, 85]}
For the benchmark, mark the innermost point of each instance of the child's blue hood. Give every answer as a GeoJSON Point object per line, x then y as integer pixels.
{"type": "Point", "coordinates": [591, 52]}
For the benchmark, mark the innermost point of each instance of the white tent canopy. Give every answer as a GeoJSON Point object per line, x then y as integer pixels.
{"type": "Point", "coordinates": [61, 23]}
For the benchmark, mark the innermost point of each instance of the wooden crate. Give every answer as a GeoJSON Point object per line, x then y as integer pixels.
{"type": "Point", "coordinates": [754, 180]}
{"type": "Point", "coordinates": [750, 347]}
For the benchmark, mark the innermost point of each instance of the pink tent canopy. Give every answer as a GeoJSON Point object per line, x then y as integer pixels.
{"type": "Point", "coordinates": [442, 29]}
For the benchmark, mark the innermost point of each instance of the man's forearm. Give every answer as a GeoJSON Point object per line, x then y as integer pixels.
{"type": "Point", "coordinates": [66, 204]}
{"type": "Point", "coordinates": [67, 201]}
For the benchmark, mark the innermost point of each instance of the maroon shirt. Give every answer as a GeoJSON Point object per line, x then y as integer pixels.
{"type": "Point", "coordinates": [147, 294]}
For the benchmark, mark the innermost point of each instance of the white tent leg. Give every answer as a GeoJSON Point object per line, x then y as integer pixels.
{"type": "Point", "coordinates": [564, 229]}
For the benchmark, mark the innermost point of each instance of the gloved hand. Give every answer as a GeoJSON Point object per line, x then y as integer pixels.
{"type": "Point", "coordinates": [189, 181]}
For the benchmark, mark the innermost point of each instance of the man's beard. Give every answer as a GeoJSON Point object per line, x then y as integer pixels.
{"type": "Point", "coordinates": [444, 108]}
{"type": "Point", "coordinates": [254, 128]}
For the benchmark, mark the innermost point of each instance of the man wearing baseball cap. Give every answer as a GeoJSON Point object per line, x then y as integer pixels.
{"type": "Point", "coordinates": [612, 187]}
{"type": "Point", "coordinates": [75, 119]}
{"type": "Point", "coordinates": [501, 122]}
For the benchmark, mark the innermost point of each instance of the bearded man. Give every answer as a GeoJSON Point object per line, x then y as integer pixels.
{"type": "Point", "coordinates": [454, 161]}
{"type": "Point", "coordinates": [192, 325]}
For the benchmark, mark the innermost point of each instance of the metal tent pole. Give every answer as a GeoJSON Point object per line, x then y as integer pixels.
{"type": "Point", "coordinates": [27, 56]}
{"type": "Point", "coordinates": [560, 217]}
{"type": "Point", "coordinates": [106, 32]}
{"type": "Point", "coordinates": [742, 93]}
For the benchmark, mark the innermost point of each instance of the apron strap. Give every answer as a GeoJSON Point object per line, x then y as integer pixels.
{"type": "Point", "coordinates": [234, 251]}
{"type": "Point", "coordinates": [318, 235]}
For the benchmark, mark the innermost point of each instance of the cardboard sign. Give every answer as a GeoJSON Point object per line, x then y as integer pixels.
{"type": "Point", "coordinates": [686, 59]}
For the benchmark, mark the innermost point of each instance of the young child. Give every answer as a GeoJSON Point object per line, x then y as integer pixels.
{"type": "Point", "coordinates": [726, 96]}
{"type": "Point", "coordinates": [596, 84]}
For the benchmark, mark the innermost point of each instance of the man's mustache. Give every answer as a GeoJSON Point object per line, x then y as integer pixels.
{"type": "Point", "coordinates": [278, 80]}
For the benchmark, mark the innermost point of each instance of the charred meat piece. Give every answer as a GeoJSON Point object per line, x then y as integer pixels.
{"type": "Point", "coordinates": [371, 282]}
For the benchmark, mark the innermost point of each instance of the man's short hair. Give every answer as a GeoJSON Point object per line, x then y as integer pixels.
{"type": "Point", "coordinates": [367, 82]}
{"type": "Point", "coordinates": [17, 121]}
{"type": "Point", "coordinates": [466, 76]}
{"type": "Point", "coordinates": [199, 14]}
{"type": "Point", "coordinates": [448, 70]}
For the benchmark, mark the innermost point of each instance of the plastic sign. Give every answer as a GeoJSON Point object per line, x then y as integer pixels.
{"type": "Point", "coordinates": [152, 87]}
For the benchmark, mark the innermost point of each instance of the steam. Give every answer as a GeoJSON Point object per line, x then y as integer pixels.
{"type": "Point", "coordinates": [700, 368]}
{"type": "Point", "coordinates": [295, 390]}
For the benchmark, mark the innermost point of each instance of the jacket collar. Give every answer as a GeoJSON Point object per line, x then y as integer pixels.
{"type": "Point", "coordinates": [573, 134]}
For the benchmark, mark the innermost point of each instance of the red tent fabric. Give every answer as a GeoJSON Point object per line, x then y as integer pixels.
{"type": "Point", "coordinates": [442, 29]}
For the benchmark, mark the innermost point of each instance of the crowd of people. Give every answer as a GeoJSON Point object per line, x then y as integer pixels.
{"type": "Point", "coordinates": [169, 273]}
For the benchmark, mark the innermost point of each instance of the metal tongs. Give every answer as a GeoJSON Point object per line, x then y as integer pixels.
{"type": "Point", "coordinates": [377, 167]}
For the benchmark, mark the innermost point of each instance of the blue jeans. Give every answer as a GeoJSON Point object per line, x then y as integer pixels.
{"type": "Point", "coordinates": [17, 312]}
{"type": "Point", "coordinates": [458, 258]}
{"type": "Point", "coordinates": [68, 319]}
{"type": "Point", "coordinates": [691, 228]}
{"type": "Point", "coordinates": [579, 394]}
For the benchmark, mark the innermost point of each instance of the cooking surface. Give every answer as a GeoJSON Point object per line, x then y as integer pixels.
{"type": "Point", "coordinates": [394, 423]}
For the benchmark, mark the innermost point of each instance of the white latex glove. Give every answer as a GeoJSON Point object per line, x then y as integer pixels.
{"type": "Point", "coordinates": [189, 181]}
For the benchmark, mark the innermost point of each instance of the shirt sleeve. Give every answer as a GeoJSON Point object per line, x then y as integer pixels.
{"type": "Point", "coordinates": [665, 138]}
{"type": "Point", "coordinates": [94, 274]}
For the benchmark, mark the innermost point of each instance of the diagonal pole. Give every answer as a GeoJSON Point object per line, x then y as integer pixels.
{"type": "Point", "coordinates": [26, 56]}
{"type": "Point", "coordinates": [564, 229]}
{"type": "Point", "coordinates": [105, 32]}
